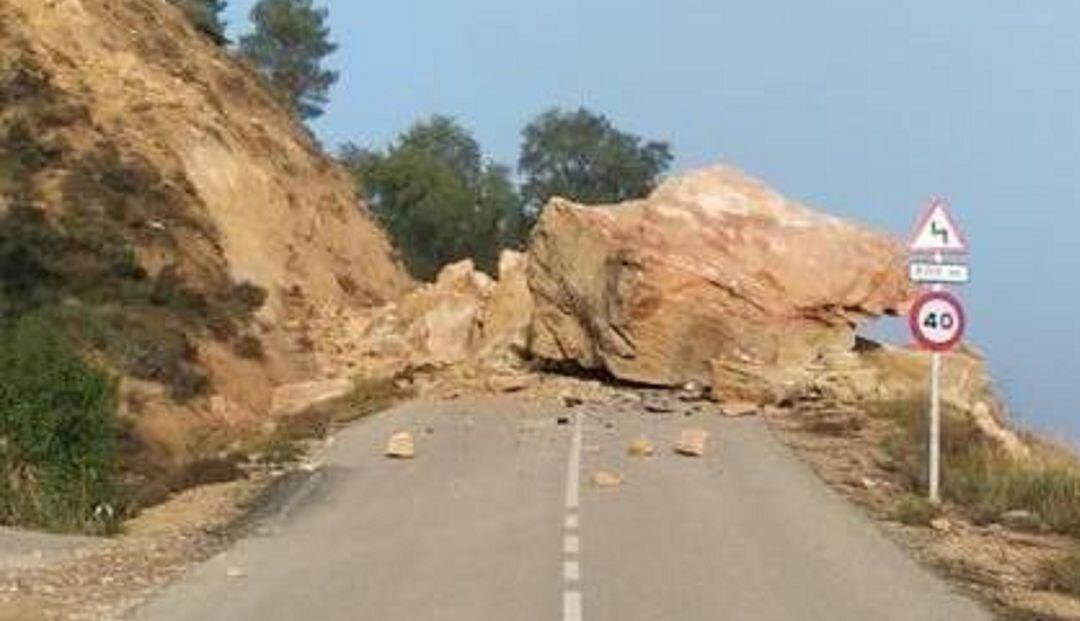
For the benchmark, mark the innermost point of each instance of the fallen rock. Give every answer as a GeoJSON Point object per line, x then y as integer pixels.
{"type": "Point", "coordinates": [712, 266]}
{"type": "Point", "coordinates": [571, 401]}
{"type": "Point", "coordinates": [739, 409]}
{"type": "Point", "coordinates": [641, 447]}
{"type": "Point", "coordinates": [1022, 520]}
{"type": "Point", "coordinates": [401, 446]}
{"type": "Point", "coordinates": [605, 479]}
{"type": "Point", "coordinates": [660, 405]}
{"type": "Point", "coordinates": [509, 383]}
{"type": "Point", "coordinates": [940, 524]}
{"type": "Point", "coordinates": [692, 442]}
{"type": "Point", "coordinates": [693, 391]}
{"type": "Point", "coordinates": [506, 315]}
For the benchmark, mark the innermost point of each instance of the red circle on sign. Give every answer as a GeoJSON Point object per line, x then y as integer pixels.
{"type": "Point", "coordinates": [939, 307]}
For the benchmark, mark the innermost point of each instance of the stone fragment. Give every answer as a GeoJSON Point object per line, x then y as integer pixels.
{"type": "Point", "coordinates": [738, 409]}
{"type": "Point", "coordinates": [692, 442]}
{"type": "Point", "coordinates": [641, 447]}
{"type": "Point", "coordinates": [401, 446]}
{"type": "Point", "coordinates": [940, 524]}
{"type": "Point", "coordinates": [606, 479]}
{"type": "Point", "coordinates": [509, 383]}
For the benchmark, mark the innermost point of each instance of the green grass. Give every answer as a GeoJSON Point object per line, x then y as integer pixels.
{"type": "Point", "coordinates": [58, 453]}
{"type": "Point", "coordinates": [978, 476]}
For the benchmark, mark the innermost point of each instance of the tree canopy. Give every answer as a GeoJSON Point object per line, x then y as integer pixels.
{"type": "Point", "coordinates": [438, 197]}
{"type": "Point", "coordinates": [289, 44]}
{"type": "Point", "coordinates": [582, 156]}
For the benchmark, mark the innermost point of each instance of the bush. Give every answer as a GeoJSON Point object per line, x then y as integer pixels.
{"type": "Point", "coordinates": [57, 433]}
{"type": "Point", "coordinates": [977, 475]}
{"type": "Point", "coordinates": [991, 484]}
{"type": "Point", "coordinates": [915, 511]}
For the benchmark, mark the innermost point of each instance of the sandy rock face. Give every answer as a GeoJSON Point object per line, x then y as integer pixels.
{"type": "Point", "coordinates": [714, 266]}
{"type": "Point", "coordinates": [464, 318]}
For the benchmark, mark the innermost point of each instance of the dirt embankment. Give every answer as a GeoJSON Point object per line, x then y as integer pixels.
{"type": "Point", "coordinates": [130, 131]}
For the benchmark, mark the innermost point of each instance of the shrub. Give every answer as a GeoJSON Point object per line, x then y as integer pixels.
{"type": "Point", "coordinates": [991, 484]}
{"type": "Point", "coordinates": [57, 433]}
{"type": "Point", "coordinates": [915, 511]}
{"type": "Point", "coordinates": [250, 347]}
{"type": "Point", "coordinates": [977, 475]}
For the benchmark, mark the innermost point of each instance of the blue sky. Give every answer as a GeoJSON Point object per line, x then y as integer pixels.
{"type": "Point", "coordinates": [861, 107]}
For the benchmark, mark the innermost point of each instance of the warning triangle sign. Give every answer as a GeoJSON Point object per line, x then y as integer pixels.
{"type": "Point", "coordinates": [937, 231]}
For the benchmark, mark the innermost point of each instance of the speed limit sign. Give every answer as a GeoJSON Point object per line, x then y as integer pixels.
{"type": "Point", "coordinates": [938, 321]}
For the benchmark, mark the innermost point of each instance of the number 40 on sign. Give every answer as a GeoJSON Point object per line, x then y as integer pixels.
{"type": "Point", "coordinates": [938, 321]}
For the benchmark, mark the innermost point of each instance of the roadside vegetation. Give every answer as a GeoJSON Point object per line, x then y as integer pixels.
{"type": "Point", "coordinates": [983, 480]}
{"type": "Point", "coordinates": [1040, 493]}
{"type": "Point", "coordinates": [77, 307]}
{"type": "Point", "coordinates": [58, 430]}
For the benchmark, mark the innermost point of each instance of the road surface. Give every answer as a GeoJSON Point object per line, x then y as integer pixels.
{"type": "Point", "coordinates": [497, 519]}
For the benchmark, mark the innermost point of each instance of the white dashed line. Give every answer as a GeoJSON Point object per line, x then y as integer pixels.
{"type": "Point", "coordinates": [572, 606]}
{"type": "Point", "coordinates": [571, 544]}
{"type": "Point", "coordinates": [573, 470]}
{"type": "Point", "coordinates": [571, 571]}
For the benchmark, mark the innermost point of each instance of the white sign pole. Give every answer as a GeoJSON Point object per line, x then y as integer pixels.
{"type": "Point", "coordinates": [934, 474]}
{"type": "Point", "coordinates": [935, 428]}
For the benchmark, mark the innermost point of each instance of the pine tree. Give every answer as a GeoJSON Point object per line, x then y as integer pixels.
{"type": "Point", "coordinates": [289, 44]}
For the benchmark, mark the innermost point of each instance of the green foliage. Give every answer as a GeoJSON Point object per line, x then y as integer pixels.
{"type": "Point", "coordinates": [57, 433]}
{"type": "Point", "coordinates": [915, 511]}
{"type": "Point", "coordinates": [290, 42]}
{"type": "Point", "coordinates": [205, 15]}
{"type": "Point", "coordinates": [582, 156]}
{"type": "Point", "coordinates": [977, 475]}
{"type": "Point", "coordinates": [437, 197]}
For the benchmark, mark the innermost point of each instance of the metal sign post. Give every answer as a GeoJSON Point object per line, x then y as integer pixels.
{"type": "Point", "coordinates": [937, 319]}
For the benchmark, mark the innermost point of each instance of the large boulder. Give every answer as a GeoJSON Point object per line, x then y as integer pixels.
{"type": "Point", "coordinates": [713, 267]}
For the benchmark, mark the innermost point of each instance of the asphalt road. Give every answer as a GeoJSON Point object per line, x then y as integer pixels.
{"type": "Point", "coordinates": [497, 519]}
